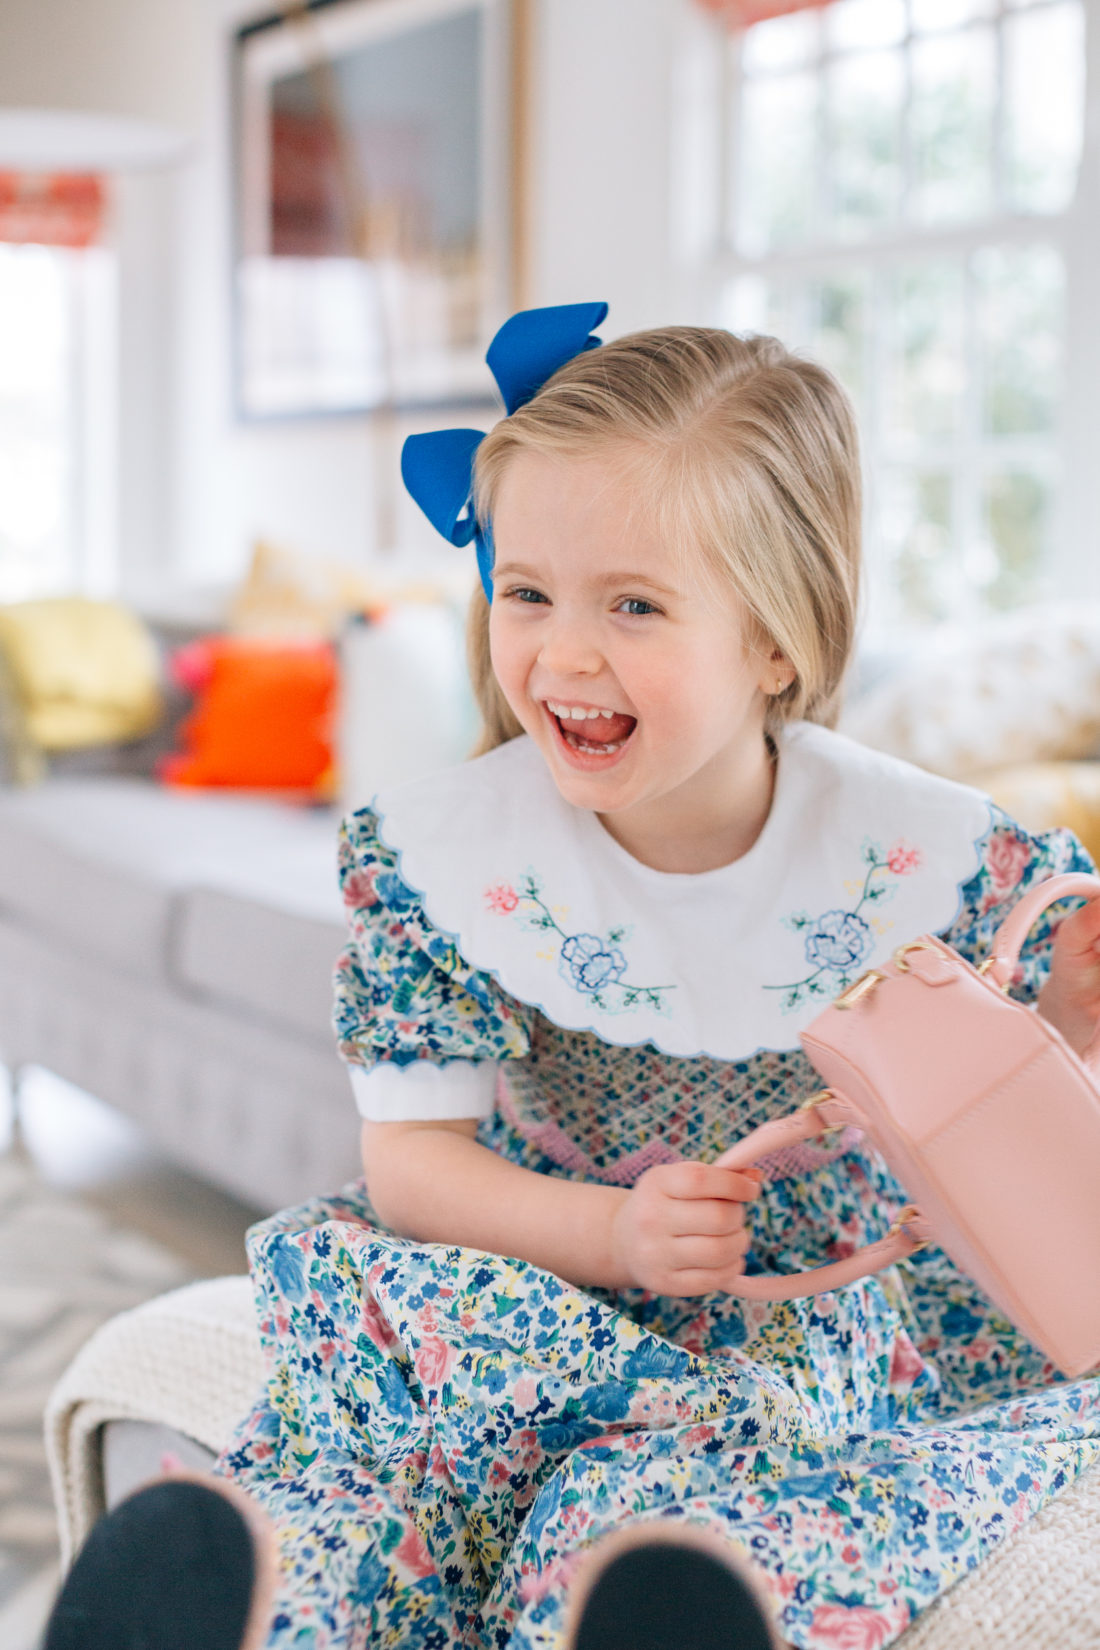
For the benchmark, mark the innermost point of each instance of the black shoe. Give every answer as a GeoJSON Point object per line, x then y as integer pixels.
{"type": "Point", "coordinates": [661, 1587]}
{"type": "Point", "coordinates": [178, 1565]}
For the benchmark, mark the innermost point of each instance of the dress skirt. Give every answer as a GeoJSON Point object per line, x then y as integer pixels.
{"type": "Point", "coordinates": [444, 1433]}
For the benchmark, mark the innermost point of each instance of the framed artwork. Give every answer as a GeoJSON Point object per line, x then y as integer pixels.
{"type": "Point", "coordinates": [378, 244]}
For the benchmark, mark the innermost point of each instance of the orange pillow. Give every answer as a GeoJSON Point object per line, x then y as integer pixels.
{"type": "Point", "coordinates": [263, 717]}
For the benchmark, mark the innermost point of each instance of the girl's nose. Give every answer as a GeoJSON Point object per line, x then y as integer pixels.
{"type": "Point", "coordinates": [569, 647]}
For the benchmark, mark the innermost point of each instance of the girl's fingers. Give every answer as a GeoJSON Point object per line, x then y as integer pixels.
{"type": "Point", "coordinates": [701, 1280]}
{"type": "Point", "coordinates": [696, 1181]}
{"type": "Point", "coordinates": [706, 1217]}
{"type": "Point", "coordinates": [708, 1254]}
{"type": "Point", "coordinates": [1081, 928]}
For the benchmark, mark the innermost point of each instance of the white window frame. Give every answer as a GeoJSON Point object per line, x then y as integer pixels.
{"type": "Point", "coordinates": [706, 162]}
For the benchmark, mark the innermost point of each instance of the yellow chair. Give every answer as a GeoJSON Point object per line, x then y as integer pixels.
{"type": "Point", "coordinates": [75, 673]}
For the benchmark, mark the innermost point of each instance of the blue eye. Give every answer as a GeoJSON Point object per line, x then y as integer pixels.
{"type": "Point", "coordinates": [636, 608]}
{"type": "Point", "coordinates": [524, 593]}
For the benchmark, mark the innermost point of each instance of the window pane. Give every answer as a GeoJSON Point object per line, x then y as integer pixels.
{"type": "Point", "coordinates": [864, 98]}
{"type": "Point", "coordinates": [778, 174]}
{"type": "Point", "coordinates": [839, 339]}
{"type": "Point", "coordinates": [952, 125]}
{"type": "Point", "coordinates": [927, 367]}
{"type": "Point", "coordinates": [36, 410]}
{"type": "Point", "coordinates": [1044, 106]}
{"type": "Point", "coordinates": [781, 43]}
{"type": "Point", "coordinates": [851, 24]}
{"type": "Point", "coordinates": [1017, 512]}
{"type": "Point", "coordinates": [915, 531]}
{"type": "Point", "coordinates": [930, 15]}
{"type": "Point", "coordinates": [1020, 330]}
{"type": "Point", "coordinates": [752, 304]}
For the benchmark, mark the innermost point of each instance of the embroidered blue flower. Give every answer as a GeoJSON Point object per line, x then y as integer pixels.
{"type": "Point", "coordinates": [839, 939]}
{"type": "Point", "coordinates": [589, 964]}
{"type": "Point", "coordinates": [837, 942]}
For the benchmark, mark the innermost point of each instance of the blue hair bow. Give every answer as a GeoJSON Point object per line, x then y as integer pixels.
{"type": "Point", "coordinates": [438, 469]}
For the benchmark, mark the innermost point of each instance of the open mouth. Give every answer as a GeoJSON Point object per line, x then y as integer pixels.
{"type": "Point", "coordinates": [590, 731]}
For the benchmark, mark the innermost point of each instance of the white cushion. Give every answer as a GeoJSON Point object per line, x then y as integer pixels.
{"type": "Point", "coordinates": [1024, 687]}
{"type": "Point", "coordinates": [406, 703]}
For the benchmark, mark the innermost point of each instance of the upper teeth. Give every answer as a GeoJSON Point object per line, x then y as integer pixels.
{"type": "Point", "coordinates": [576, 713]}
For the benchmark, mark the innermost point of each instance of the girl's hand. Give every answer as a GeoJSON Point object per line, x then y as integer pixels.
{"type": "Point", "coordinates": [681, 1229]}
{"type": "Point", "coordinates": [1070, 999]}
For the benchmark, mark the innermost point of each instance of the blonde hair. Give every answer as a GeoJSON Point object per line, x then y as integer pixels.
{"type": "Point", "coordinates": [746, 452]}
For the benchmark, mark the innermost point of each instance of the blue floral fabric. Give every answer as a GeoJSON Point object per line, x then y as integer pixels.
{"type": "Point", "coordinates": [444, 1433]}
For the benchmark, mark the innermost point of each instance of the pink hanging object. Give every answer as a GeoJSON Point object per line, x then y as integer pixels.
{"type": "Point", "coordinates": [984, 1113]}
{"type": "Point", "coordinates": [742, 14]}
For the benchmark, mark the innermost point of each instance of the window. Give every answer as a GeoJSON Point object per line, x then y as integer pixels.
{"type": "Point", "coordinates": [898, 178]}
{"type": "Point", "coordinates": [57, 317]}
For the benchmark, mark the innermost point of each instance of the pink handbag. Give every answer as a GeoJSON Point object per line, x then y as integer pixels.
{"type": "Point", "coordinates": [987, 1117]}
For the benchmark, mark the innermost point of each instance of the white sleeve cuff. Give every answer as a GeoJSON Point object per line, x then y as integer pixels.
{"type": "Point", "coordinates": [423, 1090]}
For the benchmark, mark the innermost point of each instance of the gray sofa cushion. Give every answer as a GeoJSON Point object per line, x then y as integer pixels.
{"type": "Point", "coordinates": [222, 893]}
{"type": "Point", "coordinates": [251, 954]}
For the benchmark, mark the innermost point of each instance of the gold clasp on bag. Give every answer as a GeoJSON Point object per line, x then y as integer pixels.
{"type": "Point", "coordinates": [865, 984]}
{"type": "Point", "coordinates": [831, 1130]}
{"type": "Point", "coordinates": [913, 945]}
{"type": "Point", "coordinates": [984, 967]}
{"type": "Point", "coordinates": [908, 1213]}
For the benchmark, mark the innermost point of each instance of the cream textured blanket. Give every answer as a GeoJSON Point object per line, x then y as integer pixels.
{"type": "Point", "coordinates": [191, 1360]}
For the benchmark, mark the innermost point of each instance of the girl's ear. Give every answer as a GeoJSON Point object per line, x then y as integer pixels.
{"type": "Point", "coordinates": [776, 674]}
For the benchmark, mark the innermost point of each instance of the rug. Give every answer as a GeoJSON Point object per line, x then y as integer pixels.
{"type": "Point", "coordinates": [64, 1269]}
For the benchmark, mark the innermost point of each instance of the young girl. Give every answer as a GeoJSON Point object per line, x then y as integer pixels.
{"type": "Point", "coordinates": [577, 971]}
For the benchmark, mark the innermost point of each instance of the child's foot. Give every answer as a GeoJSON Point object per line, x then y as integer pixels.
{"type": "Point", "coordinates": [660, 1586]}
{"type": "Point", "coordinates": [184, 1562]}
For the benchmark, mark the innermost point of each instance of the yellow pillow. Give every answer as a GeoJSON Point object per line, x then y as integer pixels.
{"type": "Point", "coordinates": [82, 672]}
{"type": "Point", "coordinates": [1042, 795]}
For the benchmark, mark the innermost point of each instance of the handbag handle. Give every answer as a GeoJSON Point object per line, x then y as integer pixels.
{"type": "Point", "coordinates": [822, 1112]}
{"type": "Point", "coordinates": [1004, 954]}
{"type": "Point", "coordinates": [827, 1111]}
{"type": "Point", "coordinates": [1000, 965]}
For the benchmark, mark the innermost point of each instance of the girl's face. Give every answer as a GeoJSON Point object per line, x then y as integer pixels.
{"type": "Point", "coordinates": [637, 686]}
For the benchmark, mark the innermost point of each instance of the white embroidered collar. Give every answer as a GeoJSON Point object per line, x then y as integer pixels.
{"type": "Point", "coordinates": [859, 853]}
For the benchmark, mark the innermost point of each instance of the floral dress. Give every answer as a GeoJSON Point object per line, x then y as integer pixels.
{"type": "Point", "coordinates": [444, 1432]}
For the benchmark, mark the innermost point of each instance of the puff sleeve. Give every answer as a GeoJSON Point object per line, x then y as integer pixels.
{"type": "Point", "coordinates": [421, 1031]}
{"type": "Point", "coordinates": [1013, 861]}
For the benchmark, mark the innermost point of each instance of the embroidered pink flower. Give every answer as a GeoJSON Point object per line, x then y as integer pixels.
{"type": "Point", "coordinates": [433, 1361]}
{"type": "Point", "coordinates": [850, 1627]}
{"type": "Point", "coordinates": [1006, 857]}
{"type": "Point", "coordinates": [502, 898]}
{"type": "Point", "coordinates": [902, 859]}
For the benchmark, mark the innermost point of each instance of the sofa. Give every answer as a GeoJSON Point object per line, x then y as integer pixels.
{"type": "Point", "coordinates": [170, 953]}
{"type": "Point", "coordinates": [171, 950]}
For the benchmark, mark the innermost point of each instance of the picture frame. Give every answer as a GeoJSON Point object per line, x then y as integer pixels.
{"type": "Point", "coordinates": [378, 234]}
